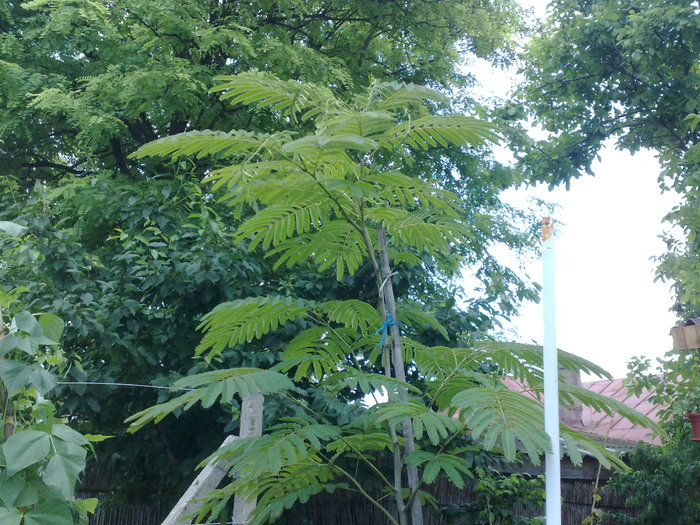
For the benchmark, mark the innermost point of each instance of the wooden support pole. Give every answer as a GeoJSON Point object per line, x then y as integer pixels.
{"type": "Point", "coordinates": [212, 474]}
{"type": "Point", "coordinates": [251, 426]}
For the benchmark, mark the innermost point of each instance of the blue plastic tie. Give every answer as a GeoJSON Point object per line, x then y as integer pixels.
{"type": "Point", "coordinates": [384, 328]}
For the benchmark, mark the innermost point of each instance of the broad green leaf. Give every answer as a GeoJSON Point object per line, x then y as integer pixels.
{"type": "Point", "coordinates": [10, 516]}
{"type": "Point", "coordinates": [14, 374]}
{"type": "Point", "coordinates": [53, 512]}
{"type": "Point", "coordinates": [29, 495]}
{"type": "Point", "coordinates": [13, 342]}
{"type": "Point", "coordinates": [68, 434]}
{"type": "Point", "coordinates": [42, 379]}
{"type": "Point", "coordinates": [26, 322]}
{"type": "Point", "coordinates": [86, 506]}
{"type": "Point", "coordinates": [25, 448]}
{"type": "Point", "coordinates": [62, 472]}
{"type": "Point", "coordinates": [66, 448]}
{"type": "Point", "coordinates": [11, 228]}
{"type": "Point", "coordinates": [10, 487]}
{"type": "Point", "coordinates": [52, 326]}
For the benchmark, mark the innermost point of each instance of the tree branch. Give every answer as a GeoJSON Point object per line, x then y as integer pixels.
{"type": "Point", "coordinates": [54, 165]}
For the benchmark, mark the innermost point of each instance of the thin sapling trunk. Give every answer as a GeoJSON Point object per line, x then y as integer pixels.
{"type": "Point", "coordinates": [400, 373]}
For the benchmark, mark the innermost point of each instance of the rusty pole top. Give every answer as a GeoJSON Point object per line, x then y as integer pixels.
{"type": "Point", "coordinates": [547, 228]}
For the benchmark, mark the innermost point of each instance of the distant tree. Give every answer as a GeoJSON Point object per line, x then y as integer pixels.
{"type": "Point", "coordinates": [663, 480]}
{"type": "Point", "coordinates": [625, 71]}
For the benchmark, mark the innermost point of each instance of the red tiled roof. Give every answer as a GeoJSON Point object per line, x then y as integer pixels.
{"type": "Point", "coordinates": [616, 426]}
{"type": "Point", "coordinates": [599, 425]}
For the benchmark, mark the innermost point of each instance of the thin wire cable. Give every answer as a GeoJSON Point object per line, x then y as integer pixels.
{"type": "Point", "coordinates": [133, 385]}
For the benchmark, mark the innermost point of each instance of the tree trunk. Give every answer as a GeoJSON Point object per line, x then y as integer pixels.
{"type": "Point", "coordinates": [400, 372]}
{"type": "Point", "coordinates": [8, 413]}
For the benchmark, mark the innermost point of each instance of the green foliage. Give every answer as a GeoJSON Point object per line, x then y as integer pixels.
{"type": "Point", "coordinates": [41, 457]}
{"type": "Point", "coordinates": [662, 481]}
{"type": "Point", "coordinates": [244, 320]}
{"type": "Point", "coordinates": [602, 69]}
{"type": "Point", "coordinates": [131, 255]}
{"type": "Point", "coordinates": [210, 387]}
{"type": "Point", "coordinates": [498, 498]}
{"type": "Point", "coordinates": [624, 71]}
{"type": "Point", "coordinates": [337, 351]}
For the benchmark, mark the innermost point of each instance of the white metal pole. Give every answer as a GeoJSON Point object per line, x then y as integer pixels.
{"type": "Point", "coordinates": [551, 378]}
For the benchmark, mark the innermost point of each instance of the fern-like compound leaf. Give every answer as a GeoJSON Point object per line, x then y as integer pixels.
{"type": "Point", "coordinates": [201, 143]}
{"type": "Point", "coordinates": [500, 417]}
{"type": "Point", "coordinates": [244, 320]}
{"type": "Point", "coordinates": [263, 90]}
{"type": "Point", "coordinates": [441, 131]}
{"type": "Point", "coordinates": [208, 387]}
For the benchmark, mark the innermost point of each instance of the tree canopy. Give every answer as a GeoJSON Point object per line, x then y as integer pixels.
{"type": "Point", "coordinates": [85, 84]}
{"type": "Point", "coordinates": [624, 71]}
{"type": "Point", "coordinates": [606, 69]}
{"type": "Point", "coordinates": [132, 254]}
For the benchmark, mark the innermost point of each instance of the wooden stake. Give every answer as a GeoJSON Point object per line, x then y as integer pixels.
{"type": "Point", "coordinates": [251, 426]}
{"type": "Point", "coordinates": [212, 474]}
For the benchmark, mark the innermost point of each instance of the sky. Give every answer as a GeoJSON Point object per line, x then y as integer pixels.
{"type": "Point", "coordinates": [609, 306]}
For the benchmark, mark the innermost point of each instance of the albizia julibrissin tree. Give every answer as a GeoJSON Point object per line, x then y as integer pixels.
{"type": "Point", "coordinates": [335, 197]}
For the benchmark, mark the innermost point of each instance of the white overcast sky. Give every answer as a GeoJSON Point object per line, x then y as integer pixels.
{"type": "Point", "coordinates": [609, 307]}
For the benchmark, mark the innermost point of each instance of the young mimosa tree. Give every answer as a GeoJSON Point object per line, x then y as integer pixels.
{"type": "Point", "coordinates": [336, 197]}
